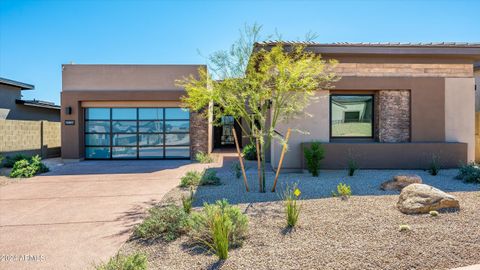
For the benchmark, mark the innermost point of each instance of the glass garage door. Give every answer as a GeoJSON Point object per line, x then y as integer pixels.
{"type": "Point", "coordinates": [137, 133]}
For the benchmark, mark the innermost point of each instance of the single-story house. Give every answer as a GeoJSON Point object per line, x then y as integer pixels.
{"type": "Point", "coordinates": [13, 107]}
{"type": "Point", "coordinates": [396, 106]}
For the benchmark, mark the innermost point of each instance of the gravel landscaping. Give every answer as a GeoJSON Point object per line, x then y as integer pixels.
{"type": "Point", "coordinates": [359, 233]}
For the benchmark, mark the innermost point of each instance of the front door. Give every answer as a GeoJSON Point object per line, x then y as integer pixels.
{"type": "Point", "coordinates": [223, 134]}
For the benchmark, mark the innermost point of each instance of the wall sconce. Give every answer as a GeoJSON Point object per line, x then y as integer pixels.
{"type": "Point", "coordinates": [68, 110]}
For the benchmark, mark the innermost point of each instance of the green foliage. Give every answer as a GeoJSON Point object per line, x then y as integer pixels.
{"type": "Point", "coordinates": [237, 169]}
{"type": "Point", "coordinates": [222, 226]}
{"type": "Point", "coordinates": [187, 202]}
{"type": "Point", "coordinates": [209, 178]}
{"type": "Point", "coordinates": [352, 166]}
{"type": "Point", "coordinates": [344, 191]}
{"type": "Point", "coordinates": [28, 167]}
{"type": "Point", "coordinates": [250, 152]}
{"type": "Point", "coordinates": [218, 226]}
{"type": "Point", "coordinates": [434, 166]}
{"type": "Point", "coordinates": [10, 161]}
{"type": "Point", "coordinates": [167, 223]}
{"type": "Point", "coordinates": [292, 208]}
{"type": "Point", "coordinates": [1, 159]}
{"type": "Point", "coordinates": [136, 261]}
{"type": "Point", "coordinates": [191, 178]}
{"type": "Point", "coordinates": [313, 156]}
{"type": "Point", "coordinates": [433, 213]}
{"type": "Point", "coordinates": [249, 84]}
{"type": "Point", "coordinates": [469, 173]}
{"type": "Point", "coordinates": [203, 157]}
{"type": "Point", "coordinates": [404, 228]}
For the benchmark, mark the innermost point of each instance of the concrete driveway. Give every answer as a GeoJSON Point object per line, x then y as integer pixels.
{"type": "Point", "coordinates": [81, 213]}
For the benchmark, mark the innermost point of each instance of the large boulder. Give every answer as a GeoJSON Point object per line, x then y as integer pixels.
{"type": "Point", "coordinates": [401, 181]}
{"type": "Point", "coordinates": [421, 198]}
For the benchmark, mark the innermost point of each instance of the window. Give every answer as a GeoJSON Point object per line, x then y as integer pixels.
{"type": "Point", "coordinates": [351, 116]}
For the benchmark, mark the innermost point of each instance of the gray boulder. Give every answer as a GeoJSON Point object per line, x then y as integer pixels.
{"type": "Point", "coordinates": [421, 198]}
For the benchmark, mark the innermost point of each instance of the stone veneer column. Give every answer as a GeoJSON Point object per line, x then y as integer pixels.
{"type": "Point", "coordinates": [198, 133]}
{"type": "Point", "coordinates": [393, 115]}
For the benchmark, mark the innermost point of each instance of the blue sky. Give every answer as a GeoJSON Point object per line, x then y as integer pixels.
{"type": "Point", "coordinates": [36, 37]}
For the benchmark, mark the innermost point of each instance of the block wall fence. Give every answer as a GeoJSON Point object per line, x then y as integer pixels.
{"type": "Point", "coordinates": [30, 138]}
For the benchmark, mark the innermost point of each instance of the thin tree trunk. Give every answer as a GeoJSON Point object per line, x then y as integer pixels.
{"type": "Point", "coordinates": [263, 167]}
{"type": "Point", "coordinates": [259, 164]}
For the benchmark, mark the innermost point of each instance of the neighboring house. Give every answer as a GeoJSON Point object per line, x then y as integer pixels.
{"type": "Point", "coordinates": [13, 107]}
{"type": "Point", "coordinates": [396, 106]}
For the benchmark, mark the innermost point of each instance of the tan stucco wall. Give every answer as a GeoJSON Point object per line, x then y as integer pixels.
{"type": "Point", "coordinates": [315, 128]}
{"type": "Point", "coordinates": [124, 77]}
{"type": "Point", "coordinates": [460, 112]}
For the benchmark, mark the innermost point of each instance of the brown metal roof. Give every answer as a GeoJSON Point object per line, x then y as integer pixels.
{"type": "Point", "coordinates": [446, 49]}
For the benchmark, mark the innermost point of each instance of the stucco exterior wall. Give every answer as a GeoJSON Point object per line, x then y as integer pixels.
{"type": "Point", "coordinates": [477, 92]}
{"type": "Point", "coordinates": [460, 112]}
{"type": "Point", "coordinates": [315, 128]}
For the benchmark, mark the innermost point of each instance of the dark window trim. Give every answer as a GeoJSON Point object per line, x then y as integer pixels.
{"type": "Point", "coordinates": [352, 137]}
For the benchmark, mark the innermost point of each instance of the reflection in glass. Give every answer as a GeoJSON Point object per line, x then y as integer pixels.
{"type": "Point", "coordinates": [150, 139]}
{"type": "Point", "coordinates": [177, 152]}
{"type": "Point", "coordinates": [124, 139]}
{"type": "Point", "coordinates": [124, 152]}
{"type": "Point", "coordinates": [177, 139]}
{"type": "Point", "coordinates": [97, 139]}
{"type": "Point", "coordinates": [150, 126]}
{"type": "Point", "coordinates": [97, 113]}
{"type": "Point", "coordinates": [176, 113]}
{"type": "Point", "coordinates": [97, 152]}
{"type": "Point", "coordinates": [352, 116]}
{"type": "Point", "coordinates": [124, 114]}
{"type": "Point", "coordinates": [124, 126]}
{"type": "Point", "coordinates": [177, 126]}
{"type": "Point", "coordinates": [150, 113]}
{"type": "Point", "coordinates": [151, 152]}
{"type": "Point", "coordinates": [97, 126]}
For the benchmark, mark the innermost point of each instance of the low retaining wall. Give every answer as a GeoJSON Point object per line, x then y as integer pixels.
{"type": "Point", "coordinates": [30, 138]}
{"type": "Point", "coordinates": [373, 155]}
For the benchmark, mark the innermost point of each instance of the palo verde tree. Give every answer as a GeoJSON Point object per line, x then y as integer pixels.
{"type": "Point", "coordinates": [261, 83]}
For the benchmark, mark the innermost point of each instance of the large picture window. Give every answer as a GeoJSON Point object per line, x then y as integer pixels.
{"type": "Point", "coordinates": [351, 116]}
{"type": "Point", "coordinates": [137, 133]}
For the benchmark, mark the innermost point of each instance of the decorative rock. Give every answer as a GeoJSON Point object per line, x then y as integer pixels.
{"type": "Point", "coordinates": [421, 198]}
{"type": "Point", "coordinates": [401, 181]}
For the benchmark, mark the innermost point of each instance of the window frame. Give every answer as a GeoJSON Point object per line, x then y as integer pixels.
{"type": "Point", "coordinates": [372, 137]}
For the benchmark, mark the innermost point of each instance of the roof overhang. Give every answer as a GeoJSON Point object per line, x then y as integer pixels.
{"type": "Point", "coordinates": [38, 103]}
{"type": "Point", "coordinates": [22, 86]}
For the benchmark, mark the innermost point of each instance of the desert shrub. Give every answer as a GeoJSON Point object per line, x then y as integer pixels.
{"type": "Point", "coordinates": [292, 207]}
{"type": "Point", "coordinates": [1, 159]}
{"type": "Point", "coordinates": [344, 191]}
{"type": "Point", "coordinates": [187, 202]}
{"type": "Point", "coordinates": [10, 161]}
{"type": "Point", "coordinates": [203, 157]}
{"type": "Point", "coordinates": [433, 213]}
{"type": "Point", "coordinates": [434, 166]}
{"type": "Point", "coordinates": [167, 223]}
{"type": "Point", "coordinates": [352, 166]}
{"type": "Point", "coordinates": [191, 178]}
{"type": "Point", "coordinates": [469, 173]}
{"type": "Point", "coordinates": [28, 167]}
{"type": "Point", "coordinates": [136, 261]}
{"type": "Point", "coordinates": [404, 228]}
{"type": "Point", "coordinates": [237, 170]}
{"type": "Point", "coordinates": [313, 156]}
{"type": "Point", "coordinates": [250, 152]}
{"type": "Point", "coordinates": [218, 226]}
{"type": "Point", "coordinates": [209, 178]}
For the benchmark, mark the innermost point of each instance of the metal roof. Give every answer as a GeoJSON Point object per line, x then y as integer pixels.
{"type": "Point", "coordinates": [375, 44]}
{"type": "Point", "coordinates": [23, 86]}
